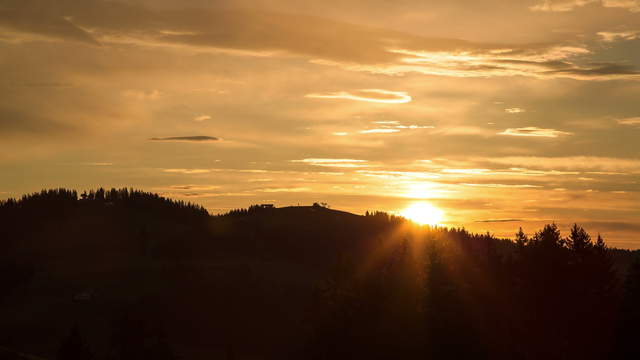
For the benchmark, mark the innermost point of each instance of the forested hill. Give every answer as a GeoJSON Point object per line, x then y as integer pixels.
{"type": "Point", "coordinates": [125, 274]}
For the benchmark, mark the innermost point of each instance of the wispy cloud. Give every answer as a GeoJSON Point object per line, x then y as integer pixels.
{"type": "Point", "coordinates": [631, 5]}
{"type": "Point", "coordinates": [515, 186]}
{"type": "Point", "coordinates": [463, 131]}
{"type": "Point", "coordinates": [514, 110]}
{"type": "Point", "coordinates": [561, 5]}
{"type": "Point", "coordinates": [142, 94]}
{"type": "Point", "coordinates": [595, 163]}
{"type": "Point", "coordinates": [201, 118]}
{"type": "Point", "coordinates": [193, 187]}
{"type": "Point", "coordinates": [187, 171]}
{"type": "Point", "coordinates": [533, 131]}
{"type": "Point", "coordinates": [344, 163]}
{"type": "Point", "coordinates": [368, 95]}
{"type": "Point", "coordinates": [630, 121]}
{"type": "Point", "coordinates": [290, 189]}
{"type": "Point", "coordinates": [378, 131]}
{"type": "Point", "coordinates": [569, 5]}
{"type": "Point", "coordinates": [97, 164]}
{"type": "Point", "coordinates": [198, 138]}
{"type": "Point", "coordinates": [361, 48]}
{"type": "Point", "coordinates": [611, 36]}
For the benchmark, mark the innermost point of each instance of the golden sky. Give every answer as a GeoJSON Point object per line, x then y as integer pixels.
{"type": "Point", "coordinates": [499, 113]}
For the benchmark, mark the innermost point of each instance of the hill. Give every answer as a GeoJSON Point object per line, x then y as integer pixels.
{"type": "Point", "coordinates": [296, 282]}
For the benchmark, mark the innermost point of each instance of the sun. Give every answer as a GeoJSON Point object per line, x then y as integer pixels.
{"type": "Point", "coordinates": [423, 213]}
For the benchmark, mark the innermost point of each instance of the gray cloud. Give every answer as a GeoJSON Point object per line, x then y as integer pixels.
{"type": "Point", "coordinates": [598, 70]}
{"type": "Point", "coordinates": [198, 138]}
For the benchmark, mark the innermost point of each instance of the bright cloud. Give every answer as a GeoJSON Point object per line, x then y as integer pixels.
{"type": "Point", "coordinates": [343, 163]}
{"type": "Point", "coordinates": [533, 131]}
{"type": "Point", "coordinates": [368, 95]}
{"type": "Point", "coordinates": [611, 36]}
{"type": "Point", "coordinates": [569, 5]}
{"type": "Point", "coordinates": [187, 171]}
{"type": "Point", "coordinates": [630, 121]}
{"type": "Point", "coordinates": [561, 5]}
{"type": "Point", "coordinates": [607, 164]}
{"type": "Point", "coordinates": [378, 131]}
{"type": "Point", "coordinates": [201, 118]}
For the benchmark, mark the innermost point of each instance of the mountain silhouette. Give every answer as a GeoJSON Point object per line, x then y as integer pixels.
{"type": "Point", "coordinates": [122, 273]}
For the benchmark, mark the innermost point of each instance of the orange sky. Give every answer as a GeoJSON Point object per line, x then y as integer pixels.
{"type": "Point", "coordinates": [501, 114]}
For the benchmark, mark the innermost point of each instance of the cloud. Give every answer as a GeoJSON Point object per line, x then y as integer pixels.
{"type": "Point", "coordinates": [97, 164]}
{"type": "Point", "coordinates": [378, 131]}
{"type": "Point", "coordinates": [515, 110]}
{"type": "Point", "coordinates": [291, 189]}
{"type": "Point", "coordinates": [595, 163]}
{"type": "Point", "coordinates": [390, 127]}
{"type": "Point", "coordinates": [569, 5]}
{"type": "Point", "coordinates": [368, 95]}
{"type": "Point", "coordinates": [261, 33]}
{"type": "Point", "coordinates": [205, 195]}
{"type": "Point", "coordinates": [463, 131]}
{"type": "Point", "coordinates": [187, 171]}
{"type": "Point", "coordinates": [631, 5]}
{"type": "Point", "coordinates": [611, 36]}
{"type": "Point", "coordinates": [342, 163]}
{"type": "Point", "coordinates": [201, 118]}
{"type": "Point", "coordinates": [198, 138]}
{"type": "Point", "coordinates": [533, 131]}
{"type": "Point", "coordinates": [516, 186]}
{"type": "Point", "coordinates": [142, 94]}
{"type": "Point", "coordinates": [630, 121]}
{"type": "Point", "coordinates": [561, 5]}
{"type": "Point", "coordinates": [599, 70]}
{"type": "Point", "coordinates": [193, 187]}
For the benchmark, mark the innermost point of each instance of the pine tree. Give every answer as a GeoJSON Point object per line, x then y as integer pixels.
{"type": "Point", "coordinates": [521, 238]}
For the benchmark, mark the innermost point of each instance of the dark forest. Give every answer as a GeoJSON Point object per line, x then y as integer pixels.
{"type": "Point", "coordinates": [123, 274]}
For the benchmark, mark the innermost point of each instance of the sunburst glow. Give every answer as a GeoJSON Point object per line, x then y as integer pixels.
{"type": "Point", "coordinates": [423, 213]}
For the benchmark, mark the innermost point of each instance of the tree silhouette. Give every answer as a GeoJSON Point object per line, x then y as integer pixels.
{"type": "Point", "coordinates": [629, 316]}
{"type": "Point", "coordinates": [74, 347]}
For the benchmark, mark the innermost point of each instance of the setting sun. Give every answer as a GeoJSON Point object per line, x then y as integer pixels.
{"type": "Point", "coordinates": [423, 213]}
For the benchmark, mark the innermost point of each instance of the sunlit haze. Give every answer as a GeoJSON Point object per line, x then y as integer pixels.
{"type": "Point", "coordinates": [489, 115]}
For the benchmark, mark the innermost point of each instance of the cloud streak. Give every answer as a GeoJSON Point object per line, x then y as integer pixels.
{"type": "Point", "coordinates": [367, 95]}
{"type": "Point", "coordinates": [611, 36]}
{"type": "Point", "coordinates": [570, 5]}
{"type": "Point", "coordinates": [632, 121]}
{"type": "Point", "coordinates": [340, 163]}
{"type": "Point", "coordinates": [533, 131]}
{"type": "Point", "coordinates": [198, 138]}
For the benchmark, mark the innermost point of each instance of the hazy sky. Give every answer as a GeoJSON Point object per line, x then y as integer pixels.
{"type": "Point", "coordinates": [500, 113]}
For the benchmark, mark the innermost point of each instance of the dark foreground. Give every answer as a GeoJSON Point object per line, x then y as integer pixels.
{"type": "Point", "coordinates": [121, 275]}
